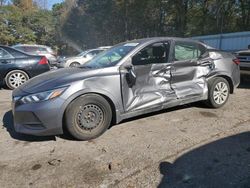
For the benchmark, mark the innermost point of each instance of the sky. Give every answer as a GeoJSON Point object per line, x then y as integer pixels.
{"type": "Point", "coordinates": [52, 2]}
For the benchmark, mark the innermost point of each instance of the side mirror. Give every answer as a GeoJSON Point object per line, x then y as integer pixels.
{"type": "Point", "coordinates": [249, 47]}
{"type": "Point", "coordinates": [136, 59]}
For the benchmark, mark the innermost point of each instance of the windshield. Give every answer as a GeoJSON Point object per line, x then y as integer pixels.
{"type": "Point", "coordinates": [82, 54]}
{"type": "Point", "coordinates": [111, 57]}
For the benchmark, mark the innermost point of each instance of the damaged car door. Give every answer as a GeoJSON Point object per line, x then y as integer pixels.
{"type": "Point", "coordinates": [188, 78]}
{"type": "Point", "coordinates": [146, 83]}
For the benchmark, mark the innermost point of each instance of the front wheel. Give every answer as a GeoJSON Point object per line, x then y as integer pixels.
{"type": "Point", "coordinates": [88, 116]}
{"type": "Point", "coordinates": [218, 92]}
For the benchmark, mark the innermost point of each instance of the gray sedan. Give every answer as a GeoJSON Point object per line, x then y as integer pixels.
{"type": "Point", "coordinates": [130, 79]}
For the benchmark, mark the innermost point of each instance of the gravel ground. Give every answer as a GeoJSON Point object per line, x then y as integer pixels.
{"type": "Point", "coordinates": [187, 146]}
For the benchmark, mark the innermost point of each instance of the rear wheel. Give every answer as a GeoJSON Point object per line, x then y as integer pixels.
{"type": "Point", "coordinates": [88, 116]}
{"type": "Point", "coordinates": [74, 64]}
{"type": "Point", "coordinates": [16, 78]}
{"type": "Point", "coordinates": [218, 92]}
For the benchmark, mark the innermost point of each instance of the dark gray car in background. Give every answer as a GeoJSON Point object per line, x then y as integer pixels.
{"type": "Point", "coordinates": [130, 79]}
{"type": "Point", "coordinates": [17, 67]}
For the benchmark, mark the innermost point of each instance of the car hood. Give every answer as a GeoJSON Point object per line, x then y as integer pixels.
{"type": "Point", "coordinates": [54, 79]}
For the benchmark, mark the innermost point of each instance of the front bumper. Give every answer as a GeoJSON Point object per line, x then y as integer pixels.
{"type": "Point", "coordinates": [40, 119]}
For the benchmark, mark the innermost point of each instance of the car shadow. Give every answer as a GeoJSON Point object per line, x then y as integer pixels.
{"type": "Point", "coordinates": [9, 125]}
{"type": "Point", "coordinates": [223, 163]}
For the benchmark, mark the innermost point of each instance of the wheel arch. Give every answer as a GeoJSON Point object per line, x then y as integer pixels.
{"type": "Point", "coordinates": [226, 77]}
{"type": "Point", "coordinates": [110, 99]}
{"type": "Point", "coordinates": [16, 69]}
{"type": "Point", "coordinates": [74, 62]}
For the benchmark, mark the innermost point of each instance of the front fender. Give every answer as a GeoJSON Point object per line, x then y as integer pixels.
{"type": "Point", "coordinates": [115, 102]}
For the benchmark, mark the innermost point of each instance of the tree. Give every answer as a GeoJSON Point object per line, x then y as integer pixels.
{"type": "Point", "coordinates": [2, 2]}
{"type": "Point", "coordinates": [23, 4]}
{"type": "Point", "coordinates": [30, 26]}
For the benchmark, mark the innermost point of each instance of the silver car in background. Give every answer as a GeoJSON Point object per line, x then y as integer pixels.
{"type": "Point", "coordinates": [41, 50]}
{"type": "Point", "coordinates": [81, 58]}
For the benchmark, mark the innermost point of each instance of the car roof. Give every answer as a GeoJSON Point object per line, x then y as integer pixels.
{"type": "Point", "coordinates": [156, 39]}
{"type": "Point", "coordinates": [3, 46]}
{"type": "Point", "coordinates": [32, 45]}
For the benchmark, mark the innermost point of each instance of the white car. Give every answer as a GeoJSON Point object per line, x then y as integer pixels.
{"type": "Point", "coordinates": [81, 58]}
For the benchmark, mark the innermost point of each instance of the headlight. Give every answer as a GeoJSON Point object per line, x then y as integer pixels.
{"type": "Point", "coordinates": [43, 96]}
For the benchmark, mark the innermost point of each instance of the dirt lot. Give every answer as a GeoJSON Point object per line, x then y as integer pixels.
{"type": "Point", "coordinates": [188, 146]}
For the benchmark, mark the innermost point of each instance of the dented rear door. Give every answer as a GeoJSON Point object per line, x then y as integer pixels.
{"type": "Point", "coordinates": [188, 76]}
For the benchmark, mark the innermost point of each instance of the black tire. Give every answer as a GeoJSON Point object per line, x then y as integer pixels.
{"type": "Point", "coordinates": [88, 117]}
{"type": "Point", "coordinates": [220, 99]}
{"type": "Point", "coordinates": [21, 77]}
{"type": "Point", "coordinates": [74, 64]}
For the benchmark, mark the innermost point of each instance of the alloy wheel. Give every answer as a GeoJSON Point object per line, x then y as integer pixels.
{"type": "Point", "coordinates": [17, 79]}
{"type": "Point", "coordinates": [221, 92]}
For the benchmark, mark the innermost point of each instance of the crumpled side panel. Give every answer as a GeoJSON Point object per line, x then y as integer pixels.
{"type": "Point", "coordinates": [152, 87]}
{"type": "Point", "coordinates": [194, 87]}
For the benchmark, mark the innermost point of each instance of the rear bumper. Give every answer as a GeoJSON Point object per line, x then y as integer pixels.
{"type": "Point", "coordinates": [40, 69]}
{"type": "Point", "coordinates": [245, 66]}
{"type": "Point", "coordinates": [40, 119]}
{"type": "Point", "coordinates": [245, 70]}
{"type": "Point", "coordinates": [236, 77]}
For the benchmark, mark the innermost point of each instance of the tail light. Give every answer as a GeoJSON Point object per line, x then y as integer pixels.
{"type": "Point", "coordinates": [43, 61]}
{"type": "Point", "coordinates": [236, 61]}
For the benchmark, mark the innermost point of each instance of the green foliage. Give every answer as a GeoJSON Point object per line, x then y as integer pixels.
{"type": "Point", "coordinates": [82, 24]}
{"type": "Point", "coordinates": [31, 25]}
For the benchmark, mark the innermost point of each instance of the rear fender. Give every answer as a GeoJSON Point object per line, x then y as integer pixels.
{"type": "Point", "coordinates": [223, 75]}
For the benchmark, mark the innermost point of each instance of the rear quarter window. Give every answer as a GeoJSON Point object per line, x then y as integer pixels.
{"type": "Point", "coordinates": [16, 53]}
{"type": "Point", "coordinates": [4, 54]}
